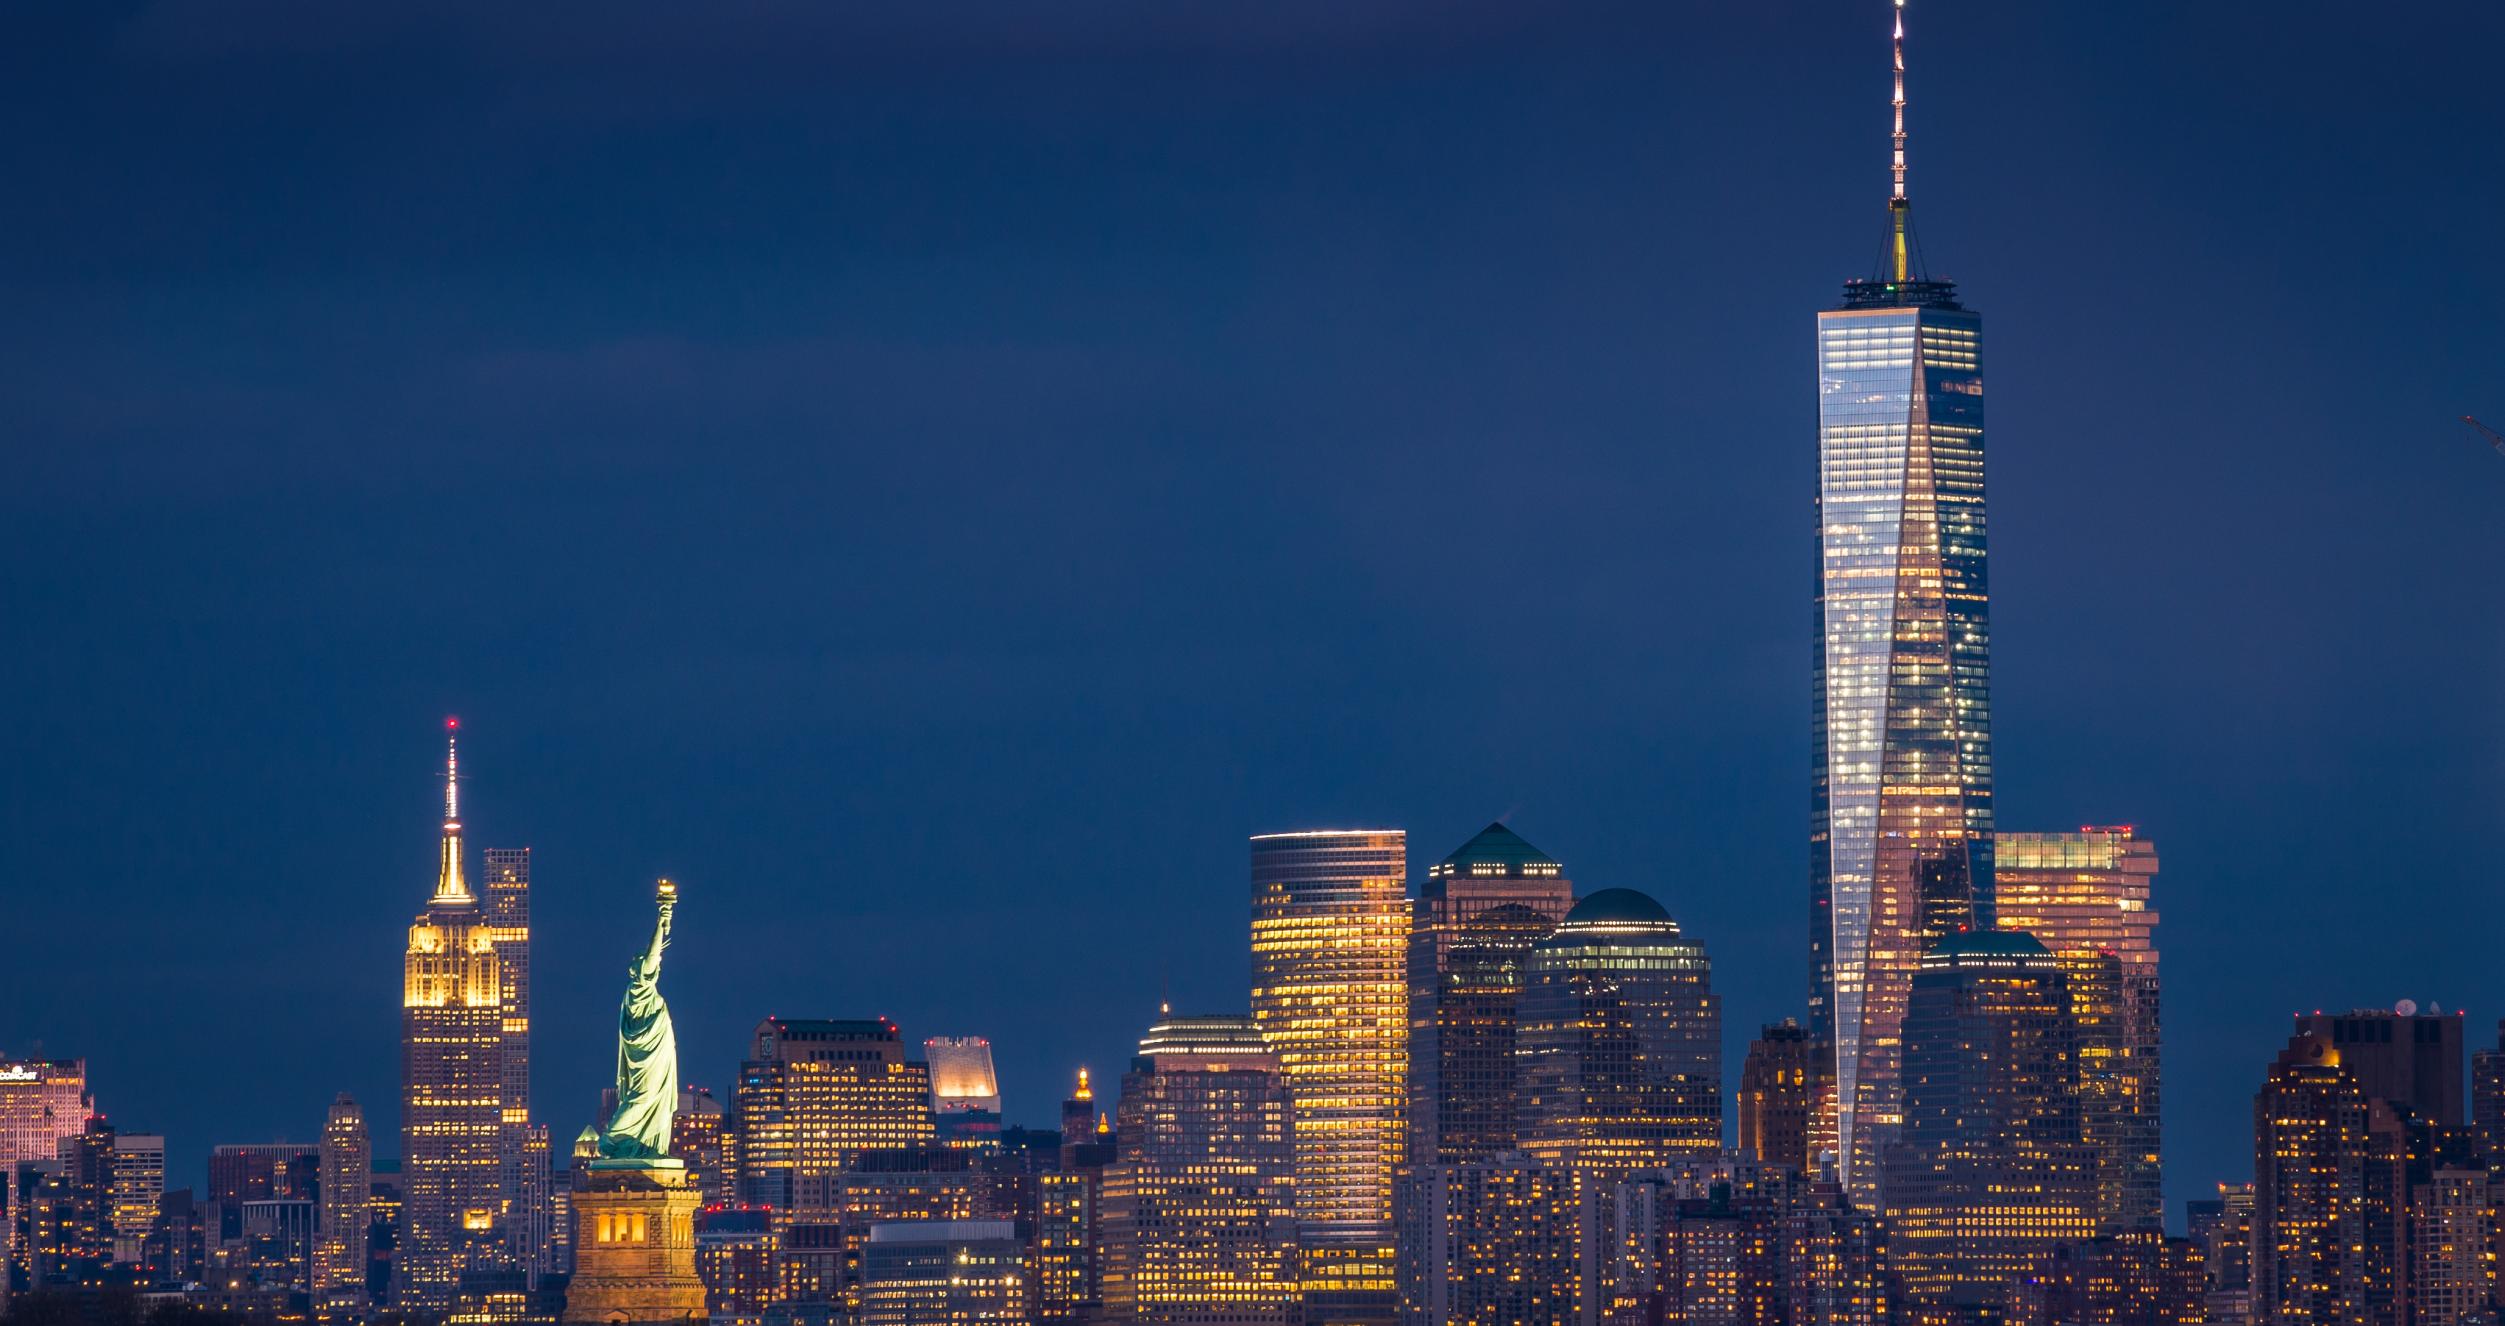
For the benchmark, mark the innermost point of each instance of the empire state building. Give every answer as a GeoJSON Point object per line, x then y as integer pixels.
{"type": "Point", "coordinates": [1901, 808]}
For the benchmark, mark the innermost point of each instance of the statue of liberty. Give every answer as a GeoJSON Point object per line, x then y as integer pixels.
{"type": "Point", "coordinates": [647, 1055]}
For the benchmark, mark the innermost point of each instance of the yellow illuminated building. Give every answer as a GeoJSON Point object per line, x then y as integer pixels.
{"type": "Point", "coordinates": [1330, 935]}
{"type": "Point", "coordinates": [812, 1096]}
{"type": "Point", "coordinates": [1198, 1209]}
{"type": "Point", "coordinates": [453, 1129]}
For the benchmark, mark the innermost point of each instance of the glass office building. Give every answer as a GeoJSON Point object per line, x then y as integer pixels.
{"type": "Point", "coordinates": [1901, 826]}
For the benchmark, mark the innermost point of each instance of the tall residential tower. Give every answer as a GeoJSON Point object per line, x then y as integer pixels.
{"type": "Point", "coordinates": [1901, 796]}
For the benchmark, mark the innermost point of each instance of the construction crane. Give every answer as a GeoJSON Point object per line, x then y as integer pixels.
{"type": "Point", "coordinates": [2495, 439]}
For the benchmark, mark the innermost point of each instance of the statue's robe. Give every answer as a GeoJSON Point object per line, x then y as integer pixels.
{"type": "Point", "coordinates": [647, 1073]}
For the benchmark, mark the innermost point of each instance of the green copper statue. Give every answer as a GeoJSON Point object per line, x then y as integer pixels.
{"type": "Point", "coordinates": [647, 1055]}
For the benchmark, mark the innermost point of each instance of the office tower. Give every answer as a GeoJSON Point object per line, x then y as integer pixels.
{"type": "Point", "coordinates": [2223, 1227]}
{"type": "Point", "coordinates": [2487, 1103]}
{"type": "Point", "coordinates": [812, 1096]}
{"type": "Point", "coordinates": [1199, 1215]}
{"type": "Point", "coordinates": [940, 1273]}
{"type": "Point", "coordinates": [1067, 1236]}
{"type": "Point", "coordinates": [1330, 933]}
{"type": "Point", "coordinates": [1835, 1263]}
{"type": "Point", "coordinates": [259, 1172]}
{"type": "Point", "coordinates": [42, 1101]}
{"type": "Point", "coordinates": [2452, 1246]}
{"type": "Point", "coordinates": [1078, 1118]}
{"type": "Point", "coordinates": [2328, 1200]}
{"type": "Point", "coordinates": [507, 904]}
{"type": "Point", "coordinates": [696, 1137]}
{"type": "Point", "coordinates": [1476, 917]}
{"type": "Point", "coordinates": [1901, 797]}
{"type": "Point", "coordinates": [2410, 1060]}
{"type": "Point", "coordinates": [1778, 1096]}
{"type": "Point", "coordinates": [2086, 895]}
{"type": "Point", "coordinates": [452, 1047]}
{"type": "Point", "coordinates": [735, 1259]}
{"type": "Point", "coordinates": [1497, 1242]}
{"type": "Point", "coordinates": [965, 1091]}
{"type": "Point", "coordinates": [278, 1245]}
{"type": "Point", "coordinates": [2137, 1279]}
{"type": "Point", "coordinates": [1620, 1045]}
{"type": "Point", "coordinates": [105, 1183]}
{"type": "Point", "coordinates": [344, 1216]}
{"type": "Point", "coordinates": [178, 1240]}
{"type": "Point", "coordinates": [56, 1226]}
{"type": "Point", "coordinates": [1990, 1171]}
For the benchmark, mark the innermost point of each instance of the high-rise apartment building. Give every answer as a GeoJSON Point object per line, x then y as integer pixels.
{"type": "Point", "coordinates": [345, 1214]}
{"type": "Point", "coordinates": [1479, 913]}
{"type": "Point", "coordinates": [42, 1101]}
{"type": "Point", "coordinates": [2328, 1195]}
{"type": "Point", "coordinates": [965, 1090]}
{"type": "Point", "coordinates": [2487, 1103]}
{"type": "Point", "coordinates": [1901, 796]}
{"type": "Point", "coordinates": [456, 1213]}
{"type": "Point", "coordinates": [1497, 1241]}
{"type": "Point", "coordinates": [698, 1137]}
{"type": "Point", "coordinates": [1199, 1213]}
{"type": "Point", "coordinates": [1779, 1096]}
{"type": "Point", "coordinates": [2223, 1227]}
{"type": "Point", "coordinates": [2136, 1279]}
{"type": "Point", "coordinates": [1990, 1171]}
{"type": "Point", "coordinates": [2086, 896]}
{"type": "Point", "coordinates": [1620, 1047]}
{"type": "Point", "coordinates": [1835, 1263]}
{"type": "Point", "coordinates": [2453, 1235]}
{"type": "Point", "coordinates": [1330, 933]}
{"type": "Point", "coordinates": [813, 1095]}
{"type": "Point", "coordinates": [507, 905]}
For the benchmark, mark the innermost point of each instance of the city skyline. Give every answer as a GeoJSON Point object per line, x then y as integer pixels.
{"type": "Point", "coordinates": [933, 789]}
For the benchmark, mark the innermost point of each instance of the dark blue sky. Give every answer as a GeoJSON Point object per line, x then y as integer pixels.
{"type": "Point", "coordinates": [935, 485]}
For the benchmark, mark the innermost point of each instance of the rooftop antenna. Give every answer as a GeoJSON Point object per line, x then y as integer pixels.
{"type": "Point", "coordinates": [1899, 207]}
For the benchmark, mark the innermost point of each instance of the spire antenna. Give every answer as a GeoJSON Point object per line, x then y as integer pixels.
{"type": "Point", "coordinates": [449, 885]}
{"type": "Point", "coordinates": [1897, 204]}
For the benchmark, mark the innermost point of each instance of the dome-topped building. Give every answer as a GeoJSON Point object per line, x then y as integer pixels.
{"type": "Point", "coordinates": [1620, 1038]}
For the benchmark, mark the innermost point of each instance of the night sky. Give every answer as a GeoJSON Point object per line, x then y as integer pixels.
{"type": "Point", "coordinates": [935, 484]}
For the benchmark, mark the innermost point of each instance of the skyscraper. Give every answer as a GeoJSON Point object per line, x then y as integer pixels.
{"type": "Point", "coordinates": [813, 1095]}
{"type": "Point", "coordinates": [346, 1208]}
{"type": "Point", "coordinates": [965, 1090]}
{"type": "Point", "coordinates": [1620, 1047]}
{"type": "Point", "coordinates": [1496, 1241]}
{"type": "Point", "coordinates": [1479, 913]}
{"type": "Point", "coordinates": [1901, 796]}
{"type": "Point", "coordinates": [2086, 896]}
{"type": "Point", "coordinates": [508, 911]}
{"type": "Point", "coordinates": [1330, 931]}
{"type": "Point", "coordinates": [923, 1272]}
{"type": "Point", "coordinates": [1199, 1216]}
{"type": "Point", "coordinates": [2328, 1199]}
{"type": "Point", "coordinates": [41, 1102]}
{"type": "Point", "coordinates": [2411, 1061]}
{"type": "Point", "coordinates": [1778, 1096]}
{"type": "Point", "coordinates": [2452, 1246]}
{"type": "Point", "coordinates": [452, 1045]}
{"type": "Point", "coordinates": [1990, 1172]}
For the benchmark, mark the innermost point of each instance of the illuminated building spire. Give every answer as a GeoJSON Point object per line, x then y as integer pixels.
{"type": "Point", "coordinates": [1899, 207]}
{"type": "Point", "coordinates": [449, 886]}
{"type": "Point", "coordinates": [1084, 1092]}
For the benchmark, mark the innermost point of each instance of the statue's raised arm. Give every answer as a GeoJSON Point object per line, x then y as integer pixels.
{"type": "Point", "coordinates": [647, 1054]}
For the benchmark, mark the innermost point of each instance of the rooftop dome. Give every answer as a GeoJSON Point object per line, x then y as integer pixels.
{"type": "Point", "coordinates": [1617, 907]}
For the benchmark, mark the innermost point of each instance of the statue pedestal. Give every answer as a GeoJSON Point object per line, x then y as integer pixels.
{"type": "Point", "coordinates": [635, 1244]}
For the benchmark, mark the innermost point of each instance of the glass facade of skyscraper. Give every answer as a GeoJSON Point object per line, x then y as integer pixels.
{"type": "Point", "coordinates": [1901, 819]}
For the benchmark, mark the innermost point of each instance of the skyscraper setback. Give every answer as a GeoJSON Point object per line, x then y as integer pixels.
{"type": "Point", "coordinates": [1901, 795]}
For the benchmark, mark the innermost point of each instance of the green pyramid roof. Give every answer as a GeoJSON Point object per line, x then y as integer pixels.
{"type": "Point", "coordinates": [1496, 846]}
